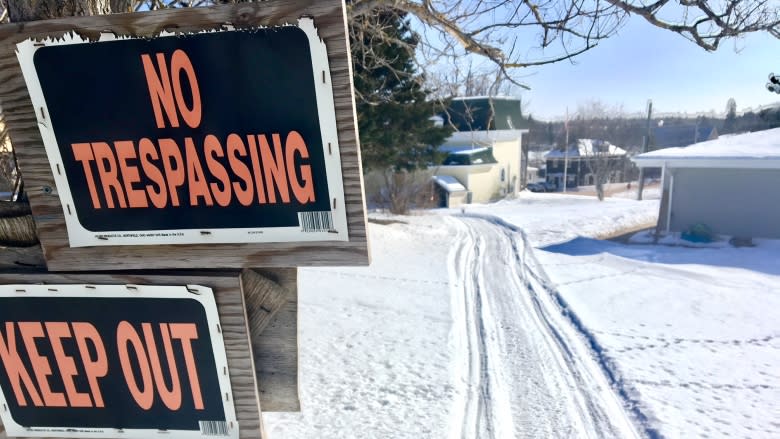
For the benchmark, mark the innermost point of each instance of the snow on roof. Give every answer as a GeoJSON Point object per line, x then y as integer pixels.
{"type": "Point", "coordinates": [467, 138]}
{"type": "Point", "coordinates": [502, 97]}
{"type": "Point", "coordinates": [469, 151]}
{"type": "Point", "coordinates": [587, 148]}
{"type": "Point", "coordinates": [756, 149]}
{"type": "Point", "coordinates": [536, 155]}
{"type": "Point", "coordinates": [448, 183]}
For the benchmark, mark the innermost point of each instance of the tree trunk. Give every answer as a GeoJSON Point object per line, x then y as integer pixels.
{"type": "Point", "coordinates": [599, 189]}
{"type": "Point", "coordinates": [31, 10]}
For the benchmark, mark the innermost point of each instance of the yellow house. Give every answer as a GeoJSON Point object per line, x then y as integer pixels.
{"type": "Point", "coordinates": [485, 155]}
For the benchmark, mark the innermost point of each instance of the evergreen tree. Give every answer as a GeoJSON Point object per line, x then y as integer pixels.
{"type": "Point", "coordinates": [730, 124]}
{"type": "Point", "coordinates": [394, 114]}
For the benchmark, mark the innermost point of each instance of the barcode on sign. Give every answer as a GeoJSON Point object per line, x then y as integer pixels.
{"type": "Point", "coordinates": [213, 428]}
{"type": "Point", "coordinates": [321, 221]}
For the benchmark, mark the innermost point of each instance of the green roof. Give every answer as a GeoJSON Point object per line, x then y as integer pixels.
{"type": "Point", "coordinates": [486, 114]}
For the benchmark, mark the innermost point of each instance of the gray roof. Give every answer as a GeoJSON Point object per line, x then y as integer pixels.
{"type": "Point", "coordinates": [587, 148]}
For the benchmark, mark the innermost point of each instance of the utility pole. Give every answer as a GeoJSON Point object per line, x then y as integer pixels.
{"type": "Point", "coordinates": [566, 151]}
{"type": "Point", "coordinates": [645, 144]}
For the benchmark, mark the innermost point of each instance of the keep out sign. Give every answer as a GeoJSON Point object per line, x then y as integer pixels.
{"type": "Point", "coordinates": [214, 137]}
{"type": "Point", "coordinates": [113, 361]}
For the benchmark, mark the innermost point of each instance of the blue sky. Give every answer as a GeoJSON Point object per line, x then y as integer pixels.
{"type": "Point", "coordinates": [643, 62]}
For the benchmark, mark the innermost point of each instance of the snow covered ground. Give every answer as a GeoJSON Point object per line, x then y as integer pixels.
{"type": "Point", "coordinates": [692, 334]}
{"type": "Point", "coordinates": [377, 354]}
{"type": "Point", "coordinates": [553, 218]}
{"type": "Point", "coordinates": [503, 321]}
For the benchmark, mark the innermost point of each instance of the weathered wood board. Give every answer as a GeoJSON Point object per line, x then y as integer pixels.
{"type": "Point", "coordinates": [329, 19]}
{"type": "Point", "coordinates": [276, 349]}
{"type": "Point", "coordinates": [233, 319]}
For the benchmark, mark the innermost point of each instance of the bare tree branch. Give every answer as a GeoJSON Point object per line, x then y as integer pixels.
{"type": "Point", "coordinates": [516, 34]}
{"type": "Point", "coordinates": [715, 21]}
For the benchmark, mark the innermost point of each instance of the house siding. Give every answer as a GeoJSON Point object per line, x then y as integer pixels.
{"type": "Point", "coordinates": [508, 156]}
{"type": "Point", "coordinates": [736, 202]}
{"type": "Point", "coordinates": [481, 180]}
{"type": "Point", "coordinates": [485, 186]}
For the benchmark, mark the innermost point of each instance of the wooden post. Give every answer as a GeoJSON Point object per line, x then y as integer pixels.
{"type": "Point", "coordinates": [276, 348]}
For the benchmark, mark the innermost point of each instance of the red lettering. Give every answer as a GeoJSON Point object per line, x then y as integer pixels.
{"type": "Point", "coordinates": [195, 176]}
{"type": "Point", "coordinates": [181, 62]}
{"type": "Point", "coordinates": [186, 332]}
{"type": "Point", "coordinates": [148, 152]}
{"type": "Point", "coordinates": [235, 148]}
{"type": "Point", "coordinates": [17, 374]}
{"type": "Point", "coordinates": [57, 331]}
{"type": "Point", "coordinates": [304, 193]}
{"type": "Point", "coordinates": [125, 151]}
{"type": "Point", "coordinates": [82, 152]}
{"type": "Point", "coordinates": [213, 150]}
{"type": "Point", "coordinates": [107, 170]}
{"type": "Point", "coordinates": [256, 167]}
{"type": "Point", "coordinates": [126, 334]}
{"type": "Point", "coordinates": [41, 367]}
{"type": "Point", "coordinates": [160, 90]}
{"type": "Point", "coordinates": [170, 397]}
{"type": "Point", "coordinates": [169, 151]}
{"type": "Point", "coordinates": [273, 168]}
{"type": "Point", "coordinates": [94, 368]}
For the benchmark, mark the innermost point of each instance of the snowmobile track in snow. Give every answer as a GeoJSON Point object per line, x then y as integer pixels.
{"type": "Point", "coordinates": [526, 371]}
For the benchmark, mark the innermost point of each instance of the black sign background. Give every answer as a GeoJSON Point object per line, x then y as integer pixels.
{"type": "Point", "coordinates": [251, 82]}
{"type": "Point", "coordinates": [121, 410]}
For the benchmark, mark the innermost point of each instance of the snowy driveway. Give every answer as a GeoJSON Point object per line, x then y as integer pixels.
{"type": "Point", "coordinates": [449, 333]}
{"type": "Point", "coordinates": [454, 331]}
{"type": "Point", "coordinates": [527, 373]}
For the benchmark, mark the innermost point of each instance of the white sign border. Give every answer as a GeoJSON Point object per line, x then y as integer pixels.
{"type": "Point", "coordinates": [204, 295]}
{"type": "Point", "coordinates": [79, 236]}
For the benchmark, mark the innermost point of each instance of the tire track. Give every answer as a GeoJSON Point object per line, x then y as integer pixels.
{"type": "Point", "coordinates": [524, 376]}
{"type": "Point", "coordinates": [476, 419]}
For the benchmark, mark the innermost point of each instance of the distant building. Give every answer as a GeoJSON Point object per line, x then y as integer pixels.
{"type": "Point", "coordinates": [581, 159]}
{"type": "Point", "coordinates": [485, 153]}
{"type": "Point", "coordinates": [537, 166]}
{"type": "Point", "coordinates": [729, 184]}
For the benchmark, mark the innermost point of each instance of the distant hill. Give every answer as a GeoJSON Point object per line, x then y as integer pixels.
{"type": "Point", "coordinates": [667, 129]}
